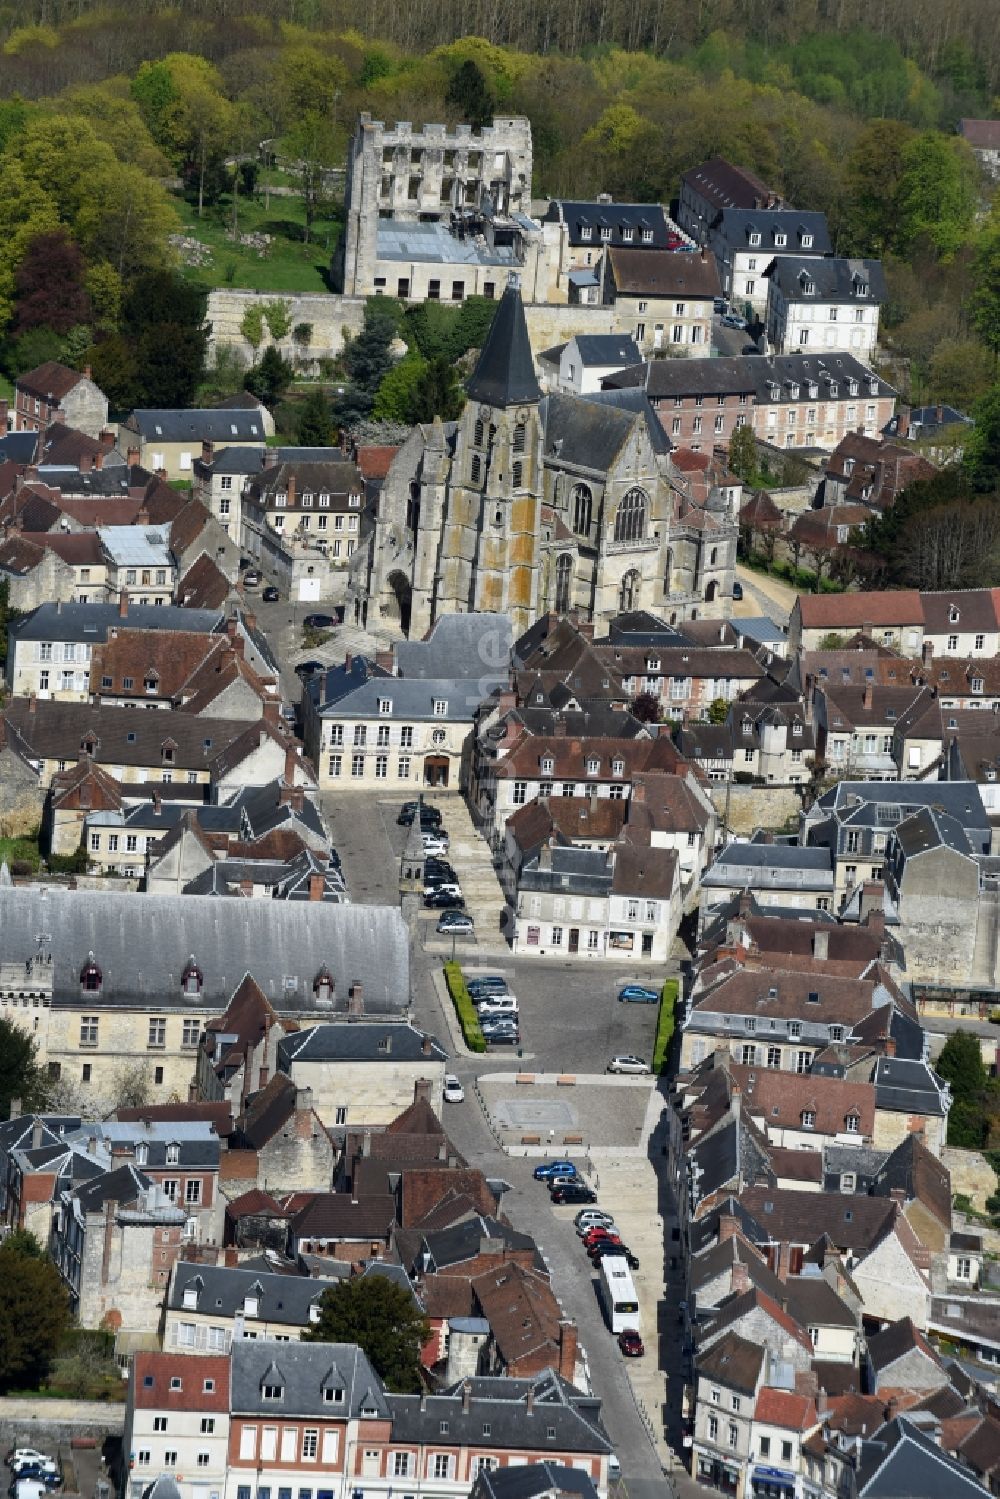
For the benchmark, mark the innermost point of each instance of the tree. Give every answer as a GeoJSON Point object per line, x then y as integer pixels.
{"type": "Point", "coordinates": [165, 315]}
{"type": "Point", "coordinates": [115, 367]}
{"type": "Point", "coordinates": [981, 459]}
{"type": "Point", "coordinates": [873, 172]}
{"type": "Point", "coordinates": [270, 378]}
{"type": "Point", "coordinates": [50, 284]}
{"type": "Point", "coordinates": [961, 1065]}
{"type": "Point", "coordinates": [833, 642]}
{"type": "Point", "coordinates": [20, 1075]}
{"type": "Point", "coordinates": [470, 95]}
{"type": "Point", "coordinates": [436, 392]}
{"type": "Point", "coordinates": [743, 453]}
{"type": "Point", "coordinates": [396, 390]}
{"type": "Point", "coordinates": [645, 707]}
{"type": "Point", "coordinates": [130, 1085]}
{"type": "Point", "coordinates": [937, 192]}
{"type": "Point", "coordinates": [984, 304]}
{"type": "Point", "coordinates": [314, 147]}
{"type": "Point", "coordinates": [315, 429]}
{"type": "Point", "coordinates": [34, 1312]}
{"type": "Point", "coordinates": [278, 316]}
{"type": "Point", "coordinates": [252, 325]}
{"type": "Point", "coordinates": [718, 710]}
{"type": "Point", "coordinates": [383, 1319]}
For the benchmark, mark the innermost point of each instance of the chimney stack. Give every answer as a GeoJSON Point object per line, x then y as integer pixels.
{"type": "Point", "coordinates": [317, 886]}
{"type": "Point", "coordinates": [15, 1108]}
{"type": "Point", "coordinates": [422, 1091]}
{"type": "Point", "coordinates": [107, 441]}
{"type": "Point", "coordinates": [290, 492]}
{"type": "Point", "coordinates": [123, 605]}
{"type": "Point", "coordinates": [132, 457]}
{"type": "Point", "coordinates": [869, 695]}
{"type": "Point", "coordinates": [271, 710]}
{"type": "Point", "coordinates": [466, 1397]}
{"type": "Point", "coordinates": [426, 1045]}
{"type": "Point", "coordinates": [4, 411]}
{"type": "Point", "coordinates": [740, 1278]}
{"type": "Point", "coordinates": [207, 450]}
{"type": "Point", "coordinates": [356, 1000]}
{"type": "Point", "coordinates": [821, 944]}
{"type": "Point", "coordinates": [86, 463]}
{"type": "Point", "coordinates": [99, 459]}
{"type": "Point", "coordinates": [729, 1226]}
{"type": "Point", "coordinates": [568, 1339]}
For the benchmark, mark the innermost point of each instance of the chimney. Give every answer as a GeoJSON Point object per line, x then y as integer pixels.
{"type": "Point", "coordinates": [250, 620]}
{"type": "Point", "coordinates": [545, 857]}
{"type": "Point", "coordinates": [157, 802]}
{"type": "Point", "coordinates": [3, 418]}
{"type": "Point", "coordinates": [897, 1195]}
{"type": "Point", "coordinates": [99, 459]}
{"type": "Point", "coordinates": [291, 760]}
{"type": "Point", "coordinates": [939, 414]}
{"type": "Point", "coordinates": [869, 695]}
{"type": "Point", "coordinates": [207, 450]}
{"type": "Point", "coordinates": [868, 628]}
{"type": "Point", "coordinates": [638, 791]}
{"type": "Point", "coordinates": [33, 703]}
{"type": "Point", "coordinates": [142, 514]}
{"type": "Point", "coordinates": [86, 463]}
{"type": "Point", "coordinates": [15, 1108]}
{"type": "Point", "coordinates": [297, 798]}
{"type": "Point", "coordinates": [271, 710]}
{"type": "Point", "coordinates": [317, 886]}
{"type": "Point", "coordinates": [348, 658]}
{"type": "Point", "coordinates": [86, 371]}
{"type": "Point", "coordinates": [290, 491]}
{"type": "Point", "coordinates": [729, 1227]}
{"type": "Point", "coordinates": [386, 660]}
{"type": "Point", "coordinates": [559, 727]}
{"type": "Point", "coordinates": [107, 440]}
{"type": "Point", "coordinates": [246, 889]}
{"type": "Point", "coordinates": [875, 922]}
{"type": "Point", "coordinates": [892, 1406]}
{"type": "Point", "coordinates": [230, 1258]}
{"type": "Point", "coordinates": [356, 1000]}
{"type": "Point", "coordinates": [927, 652]}
{"type": "Point", "coordinates": [822, 1403]}
{"type": "Point", "coordinates": [740, 1278]}
{"type": "Point", "coordinates": [132, 456]}
{"type": "Point", "coordinates": [889, 1047]}
{"type": "Point", "coordinates": [37, 1130]}
{"type": "Point", "coordinates": [366, 1144]}
{"type": "Point", "coordinates": [567, 1348]}
{"type": "Point", "coordinates": [426, 1045]}
{"type": "Point", "coordinates": [821, 944]}
{"type": "Point", "coordinates": [746, 904]}
{"type": "Point", "coordinates": [123, 605]}
{"type": "Point", "coordinates": [529, 1400]}
{"type": "Point", "coordinates": [466, 1397]}
{"type": "Point", "coordinates": [422, 1092]}
{"type": "Point", "coordinates": [91, 1144]}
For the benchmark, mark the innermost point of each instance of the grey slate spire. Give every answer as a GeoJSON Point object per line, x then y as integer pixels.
{"type": "Point", "coordinates": [505, 374]}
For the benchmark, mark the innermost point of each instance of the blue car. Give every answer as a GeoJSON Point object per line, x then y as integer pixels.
{"type": "Point", "coordinates": [554, 1168]}
{"type": "Point", "coordinates": [638, 994]}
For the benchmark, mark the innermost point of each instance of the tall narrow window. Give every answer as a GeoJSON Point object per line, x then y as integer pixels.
{"type": "Point", "coordinates": [564, 577]}
{"type": "Point", "coordinates": [630, 517]}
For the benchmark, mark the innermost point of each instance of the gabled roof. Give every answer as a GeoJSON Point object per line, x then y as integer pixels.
{"type": "Point", "coordinates": [901, 1462]}
{"type": "Point", "coordinates": [505, 373]}
{"type": "Point", "coordinates": [49, 379]}
{"type": "Point", "coordinates": [734, 1362]}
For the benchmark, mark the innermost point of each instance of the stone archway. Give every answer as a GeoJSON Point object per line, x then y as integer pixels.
{"type": "Point", "coordinates": [397, 600]}
{"type": "Point", "coordinates": [628, 597]}
{"type": "Point", "coordinates": [710, 592]}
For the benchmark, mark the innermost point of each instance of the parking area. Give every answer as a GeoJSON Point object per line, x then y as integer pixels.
{"type": "Point", "coordinates": [580, 1115]}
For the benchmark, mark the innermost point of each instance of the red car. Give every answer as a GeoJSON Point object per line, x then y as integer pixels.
{"type": "Point", "coordinates": [630, 1343]}
{"type": "Point", "coordinates": [594, 1235]}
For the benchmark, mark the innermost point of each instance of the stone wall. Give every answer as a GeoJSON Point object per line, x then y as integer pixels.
{"type": "Point", "coordinates": [27, 1422]}
{"type": "Point", "coordinates": [752, 807]}
{"type": "Point", "coordinates": [21, 797]}
{"type": "Point", "coordinates": [971, 1175]}
{"type": "Point", "coordinates": [333, 317]}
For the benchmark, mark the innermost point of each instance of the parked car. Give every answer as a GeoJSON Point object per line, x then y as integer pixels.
{"type": "Point", "coordinates": [455, 923]}
{"type": "Point", "coordinates": [566, 1180]}
{"type": "Point", "coordinates": [606, 1247]}
{"type": "Point", "coordinates": [573, 1194]}
{"type": "Point", "coordinates": [490, 983]}
{"type": "Point", "coordinates": [270, 594]}
{"type": "Point", "coordinates": [545, 1172]}
{"type": "Point", "coordinates": [638, 994]}
{"type": "Point", "coordinates": [319, 622]}
{"type": "Point", "coordinates": [251, 578]}
{"type": "Point", "coordinates": [434, 865]}
{"type": "Point", "coordinates": [309, 668]}
{"type": "Point", "coordinates": [440, 900]}
{"type": "Point", "coordinates": [733, 320]}
{"type": "Point", "coordinates": [442, 887]}
{"type": "Point", "coordinates": [738, 592]}
{"type": "Point", "coordinates": [628, 1063]}
{"type": "Point", "coordinates": [36, 1465]}
{"type": "Point", "coordinates": [598, 1234]}
{"type": "Point", "coordinates": [433, 844]}
{"type": "Point", "coordinates": [503, 1038]}
{"type": "Point", "coordinates": [588, 1218]}
{"type": "Point", "coordinates": [18, 1455]}
{"type": "Point", "coordinates": [453, 1090]}
{"type": "Point", "coordinates": [499, 1025]}
{"type": "Point", "coordinates": [630, 1343]}
{"type": "Point", "coordinates": [719, 304]}
{"type": "Point", "coordinates": [430, 817]}
{"type": "Point", "coordinates": [614, 1467]}
{"type": "Point", "coordinates": [496, 1004]}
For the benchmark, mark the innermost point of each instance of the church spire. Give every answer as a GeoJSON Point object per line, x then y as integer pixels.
{"type": "Point", "coordinates": [505, 374]}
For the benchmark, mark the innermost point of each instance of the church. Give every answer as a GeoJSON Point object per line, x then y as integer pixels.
{"type": "Point", "coordinates": [532, 503]}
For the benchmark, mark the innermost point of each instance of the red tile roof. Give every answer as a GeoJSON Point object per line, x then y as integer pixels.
{"type": "Point", "coordinates": [49, 379]}
{"type": "Point", "coordinates": [852, 611]}
{"type": "Point", "coordinates": [192, 1373]}
{"type": "Point", "coordinates": [784, 1408]}
{"type": "Point", "coordinates": [374, 462]}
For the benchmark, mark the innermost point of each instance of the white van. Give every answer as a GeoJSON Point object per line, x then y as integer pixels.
{"type": "Point", "coordinates": [497, 1004]}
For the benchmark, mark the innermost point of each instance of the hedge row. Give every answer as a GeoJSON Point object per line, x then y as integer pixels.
{"type": "Point", "coordinates": [464, 1008]}
{"type": "Point", "coordinates": [665, 1021]}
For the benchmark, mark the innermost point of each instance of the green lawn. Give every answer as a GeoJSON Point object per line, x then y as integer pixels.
{"type": "Point", "coordinates": [290, 264]}
{"type": "Point", "coordinates": [24, 850]}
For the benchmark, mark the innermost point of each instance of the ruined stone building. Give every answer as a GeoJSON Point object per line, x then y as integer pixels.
{"type": "Point", "coordinates": [437, 214]}
{"type": "Point", "coordinates": [528, 504]}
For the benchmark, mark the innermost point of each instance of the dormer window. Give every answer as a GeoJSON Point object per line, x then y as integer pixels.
{"type": "Point", "coordinates": [797, 729]}
{"type": "Point", "coordinates": [860, 287]}
{"type": "Point", "coordinates": [953, 615]}
{"type": "Point", "coordinates": [852, 387]}
{"type": "Point", "coordinates": [440, 707]}
{"type": "Point", "coordinates": [781, 239]}
{"type": "Point", "coordinates": [808, 1119]}
{"type": "Point", "coordinates": [280, 501]}
{"type": "Point", "coordinates": [808, 285]}
{"type": "Point", "coordinates": [834, 390]}
{"type": "Point", "coordinates": [605, 233]}
{"type": "Point", "coordinates": [813, 390]}
{"type": "Point", "coordinates": [332, 1395]}
{"type": "Point", "coordinates": [807, 240]}
{"type": "Point", "coordinates": [618, 767]}
{"type": "Point", "coordinates": [192, 979]}
{"type": "Point", "coordinates": [250, 1306]}
{"type": "Point", "coordinates": [323, 985]}
{"type": "Point", "coordinates": [586, 233]}
{"type": "Point", "coordinates": [852, 1124]}
{"type": "Point", "coordinates": [190, 1298]}
{"type": "Point", "coordinates": [91, 977]}
{"type": "Point", "coordinates": [385, 705]}
{"type": "Point", "coordinates": [307, 500]}
{"type": "Point", "coordinates": [593, 766]}
{"type": "Point", "coordinates": [271, 1391]}
{"type": "Point", "coordinates": [142, 1155]}
{"type": "Point", "coordinates": [794, 392]}
{"type": "Point", "coordinates": [548, 765]}
{"type": "Point", "coordinates": [754, 236]}
{"type": "Point", "coordinates": [976, 684]}
{"type": "Point", "coordinates": [652, 663]}
{"type": "Point", "coordinates": [173, 1155]}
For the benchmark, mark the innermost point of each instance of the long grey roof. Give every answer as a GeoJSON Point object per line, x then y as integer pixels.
{"type": "Point", "coordinates": [753, 374]}
{"type": "Point", "coordinates": [91, 622]}
{"type": "Point", "coordinates": [358, 1041]}
{"type": "Point", "coordinates": [772, 864]}
{"type": "Point", "coordinates": [586, 434]}
{"type": "Point", "coordinates": [573, 1419]}
{"type": "Point", "coordinates": [578, 216]}
{"type": "Point", "coordinates": [505, 374]}
{"type": "Point", "coordinates": [142, 947]}
{"type": "Point", "coordinates": [355, 692]}
{"type": "Point", "coordinates": [638, 402]}
{"type": "Point", "coordinates": [735, 225]}
{"type": "Point", "coordinates": [607, 348]}
{"type": "Point", "coordinates": [910, 1086]}
{"type": "Point", "coordinates": [469, 646]}
{"type": "Point", "coordinates": [196, 1141]}
{"type": "Point", "coordinates": [221, 1290]}
{"type": "Point", "coordinates": [303, 1371]}
{"type": "Point", "coordinates": [959, 799]}
{"type": "Point", "coordinates": [198, 424]}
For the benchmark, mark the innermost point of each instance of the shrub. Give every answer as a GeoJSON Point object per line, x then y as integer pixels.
{"type": "Point", "coordinates": [665, 1021]}
{"type": "Point", "coordinates": [464, 1008]}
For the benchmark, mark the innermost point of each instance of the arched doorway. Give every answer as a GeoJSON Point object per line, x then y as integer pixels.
{"type": "Point", "coordinates": [564, 579]}
{"type": "Point", "coordinates": [628, 597]}
{"type": "Point", "coordinates": [710, 592]}
{"type": "Point", "coordinates": [398, 600]}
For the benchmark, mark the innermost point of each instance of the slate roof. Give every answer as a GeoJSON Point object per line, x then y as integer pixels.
{"type": "Point", "coordinates": [457, 646]}
{"type": "Point", "coordinates": [638, 402]}
{"type": "Point", "coordinates": [461, 1241]}
{"type": "Point", "coordinates": [594, 217]}
{"type": "Point", "coordinates": [304, 1370]}
{"type": "Point", "coordinates": [121, 736]}
{"type": "Point", "coordinates": [784, 865]}
{"type": "Point", "coordinates": [355, 690]}
{"type": "Point", "coordinates": [587, 433]}
{"type": "Point", "coordinates": [221, 1291]}
{"type": "Point", "coordinates": [359, 1041]}
{"type": "Point", "coordinates": [196, 425]}
{"type": "Point", "coordinates": [834, 279]}
{"type": "Point", "coordinates": [91, 622]}
{"type": "Point", "coordinates": [733, 1362]}
{"type": "Point", "coordinates": [606, 348]}
{"type": "Point", "coordinates": [664, 379]}
{"type": "Point", "coordinates": [800, 1217]}
{"type": "Point", "coordinates": [533, 1481]}
{"type": "Point", "coordinates": [284, 944]}
{"type": "Point", "coordinates": [909, 1086]}
{"type": "Point", "coordinates": [574, 1418]}
{"type": "Point", "coordinates": [733, 227]}
{"type": "Point", "coordinates": [724, 185]}
{"type": "Point", "coordinates": [505, 372]}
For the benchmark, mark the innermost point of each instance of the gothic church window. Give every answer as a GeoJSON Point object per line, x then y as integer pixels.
{"type": "Point", "coordinates": [628, 597]}
{"type": "Point", "coordinates": [518, 474]}
{"type": "Point", "coordinates": [476, 468]}
{"type": "Point", "coordinates": [630, 517]}
{"type": "Point", "coordinates": [564, 575]}
{"type": "Point", "coordinates": [582, 510]}
{"type": "Point", "coordinates": [478, 432]}
{"type": "Point", "coordinates": [520, 437]}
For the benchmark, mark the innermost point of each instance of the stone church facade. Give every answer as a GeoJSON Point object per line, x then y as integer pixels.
{"type": "Point", "coordinates": [531, 503]}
